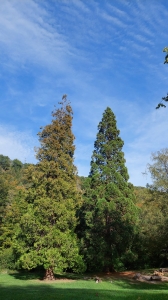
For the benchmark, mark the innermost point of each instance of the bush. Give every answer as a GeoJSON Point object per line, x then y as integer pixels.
{"type": "Point", "coordinates": [7, 259]}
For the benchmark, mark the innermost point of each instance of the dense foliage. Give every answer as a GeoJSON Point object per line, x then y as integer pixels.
{"type": "Point", "coordinates": [153, 203]}
{"type": "Point", "coordinates": [43, 215]}
{"type": "Point", "coordinates": [11, 180]}
{"type": "Point", "coordinates": [109, 213]}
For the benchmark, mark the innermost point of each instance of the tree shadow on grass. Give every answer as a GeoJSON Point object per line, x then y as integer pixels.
{"type": "Point", "coordinates": [39, 275]}
{"type": "Point", "coordinates": [27, 275]}
{"type": "Point", "coordinates": [118, 283]}
{"type": "Point", "coordinates": [50, 292]}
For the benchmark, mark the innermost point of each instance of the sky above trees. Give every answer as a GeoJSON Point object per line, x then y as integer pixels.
{"type": "Point", "coordinates": [99, 53]}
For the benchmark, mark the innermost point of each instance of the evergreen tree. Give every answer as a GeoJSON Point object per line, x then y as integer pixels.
{"type": "Point", "coordinates": [45, 234]}
{"type": "Point", "coordinates": [17, 165]}
{"type": "Point", "coordinates": [109, 211]}
{"type": "Point", "coordinates": [5, 162]}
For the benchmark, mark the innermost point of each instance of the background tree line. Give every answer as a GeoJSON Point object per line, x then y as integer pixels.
{"type": "Point", "coordinates": [53, 219]}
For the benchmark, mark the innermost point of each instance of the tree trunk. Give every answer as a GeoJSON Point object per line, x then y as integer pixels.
{"type": "Point", "coordinates": [108, 269]}
{"type": "Point", "coordinates": [49, 275]}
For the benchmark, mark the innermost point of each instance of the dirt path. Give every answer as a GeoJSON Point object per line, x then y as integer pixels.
{"type": "Point", "coordinates": [117, 275]}
{"type": "Point", "coordinates": [103, 276]}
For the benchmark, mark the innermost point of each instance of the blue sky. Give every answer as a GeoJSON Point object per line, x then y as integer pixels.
{"type": "Point", "coordinates": [100, 53]}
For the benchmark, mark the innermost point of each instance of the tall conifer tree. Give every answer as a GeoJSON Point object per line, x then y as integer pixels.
{"type": "Point", "coordinates": [45, 232]}
{"type": "Point", "coordinates": [110, 213]}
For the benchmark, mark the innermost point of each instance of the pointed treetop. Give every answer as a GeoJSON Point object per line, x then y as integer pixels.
{"type": "Point", "coordinates": [108, 159]}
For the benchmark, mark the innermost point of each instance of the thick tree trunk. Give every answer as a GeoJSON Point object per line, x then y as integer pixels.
{"type": "Point", "coordinates": [108, 269]}
{"type": "Point", "coordinates": [49, 275]}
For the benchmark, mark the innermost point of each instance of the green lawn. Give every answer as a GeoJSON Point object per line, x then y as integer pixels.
{"type": "Point", "coordinates": [25, 286]}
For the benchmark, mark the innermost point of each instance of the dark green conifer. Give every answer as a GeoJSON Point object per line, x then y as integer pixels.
{"type": "Point", "coordinates": [110, 213]}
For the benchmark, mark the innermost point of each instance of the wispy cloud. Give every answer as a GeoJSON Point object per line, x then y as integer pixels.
{"type": "Point", "coordinates": [120, 13]}
{"type": "Point", "coordinates": [28, 38]}
{"type": "Point", "coordinates": [17, 144]}
{"type": "Point", "coordinates": [81, 5]}
{"type": "Point", "coordinates": [110, 18]}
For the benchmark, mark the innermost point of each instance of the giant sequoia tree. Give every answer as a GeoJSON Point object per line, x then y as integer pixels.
{"type": "Point", "coordinates": [45, 219]}
{"type": "Point", "coordinates": [109, 210]}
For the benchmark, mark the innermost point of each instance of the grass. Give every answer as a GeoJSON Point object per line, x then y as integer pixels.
{"type": "Point", "coordinates": [27, 286]}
